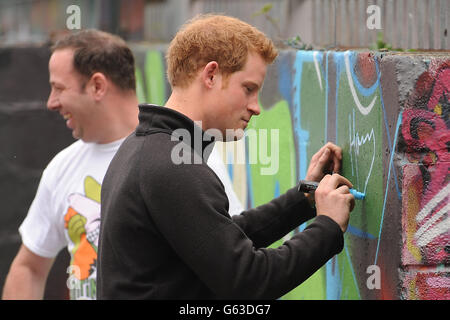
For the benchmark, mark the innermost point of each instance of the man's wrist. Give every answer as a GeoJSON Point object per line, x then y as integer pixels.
{"type": "Point", "coordinates": [311, 200]}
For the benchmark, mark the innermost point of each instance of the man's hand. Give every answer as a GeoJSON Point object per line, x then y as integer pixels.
{"type": "Point", "coordinates": [334, 200]}
{"type": "Point", "coordinates": [327, 160]}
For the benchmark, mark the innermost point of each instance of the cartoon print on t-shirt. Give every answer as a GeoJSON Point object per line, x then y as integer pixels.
{"type": "Point", "coordinates": [82, 222]}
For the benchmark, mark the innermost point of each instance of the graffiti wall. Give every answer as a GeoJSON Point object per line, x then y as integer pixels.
{"type": "Point", "coordinates": [426, 188]}
{"type": "Point", "coordinates": [390, 114]}
{"type": "Point", "coordinates": [338, 97]}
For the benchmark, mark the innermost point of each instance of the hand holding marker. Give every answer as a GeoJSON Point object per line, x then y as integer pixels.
{"type": "Point", "coordinates": [311, 186]}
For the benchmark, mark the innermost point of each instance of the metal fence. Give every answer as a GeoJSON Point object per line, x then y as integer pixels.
{"type": "Point", "coordinates": [407, 24]}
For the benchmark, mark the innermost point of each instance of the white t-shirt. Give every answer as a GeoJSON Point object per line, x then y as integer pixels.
{"type": "Point", "coordinates": [215, 162]}
{"type": "Point", "coordinates": [66, 210]}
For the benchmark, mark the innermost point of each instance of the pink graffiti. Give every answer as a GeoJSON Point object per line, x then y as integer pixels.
{"type": "Point", "coordinates": [430, 286]}
{"type": "Point", "coordinates": [426, 133]}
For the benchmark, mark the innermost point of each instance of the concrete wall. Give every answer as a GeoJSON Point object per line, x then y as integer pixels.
{"type": "Point", "coordinates": [425, 196]}
{"type": "Point", "coordinates": [388, 112]}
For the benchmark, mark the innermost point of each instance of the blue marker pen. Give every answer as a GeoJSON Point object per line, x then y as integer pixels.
{"type": "Point", "coordinates": [311, 186]}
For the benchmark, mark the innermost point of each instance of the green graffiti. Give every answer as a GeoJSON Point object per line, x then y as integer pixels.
{"type": "Point", "coordinates": [359, 131]}
{"type": "Point", "coordinates": [266, 186]}
{"type": "Point", "coordinates": [140, 91]}
{"type": "Point", "coordinates": [361, 139]}
{"type": "Point", "coordinates": [313, 119]}
{"type": "Point", "coordinates": [151, 86]}
{"type": "Point", "coordinates": [313, 112]}
{"type": "Point", "coordinates": [154, 73]}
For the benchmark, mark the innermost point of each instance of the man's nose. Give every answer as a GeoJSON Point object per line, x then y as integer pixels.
{"type": "Point", "coordinates": [254, 107]}
{"type": "Point", "coordinates": [53, 102]}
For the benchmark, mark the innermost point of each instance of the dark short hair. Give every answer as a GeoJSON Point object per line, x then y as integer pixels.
{"type": "Point", "coordinates": [98, 51]}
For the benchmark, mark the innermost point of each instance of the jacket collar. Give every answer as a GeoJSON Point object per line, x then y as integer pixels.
{"type": "Point", "coordinates": [154, 118]}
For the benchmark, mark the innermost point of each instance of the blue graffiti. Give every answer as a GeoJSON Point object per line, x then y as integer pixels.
{"type": "Point", "coordinates": [334, 271]}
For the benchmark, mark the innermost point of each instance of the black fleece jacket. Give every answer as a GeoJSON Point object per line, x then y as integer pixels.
{"type": "Point", "coordinates": [166, 232]}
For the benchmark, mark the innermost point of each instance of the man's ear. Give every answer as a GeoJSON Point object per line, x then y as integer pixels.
{"type": "Point", "coordinates": [98, 85]}
{"type": "Point", "coordinates": [210, 74]}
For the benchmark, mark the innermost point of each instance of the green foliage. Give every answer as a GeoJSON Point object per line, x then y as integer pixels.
{"type": "Point", "coordinates": [265, 11]}
{"type": "Point", "coordinates": [380, 45]}
{"type": "Point", "coordinates": [297, 43]}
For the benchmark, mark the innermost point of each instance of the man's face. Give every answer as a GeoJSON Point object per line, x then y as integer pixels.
{"type": "Point", "coordinates": [237, 101]}
{"type": "Point", "coordinates": [69, 97]}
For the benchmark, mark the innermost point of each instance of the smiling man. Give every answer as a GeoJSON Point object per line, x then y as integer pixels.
{"type": "Point", "coordinates": [96, 107]}
{"type": "Point", "coordinates": [166, 231]}
{"type": "Point", "coordinates": [93, 88]}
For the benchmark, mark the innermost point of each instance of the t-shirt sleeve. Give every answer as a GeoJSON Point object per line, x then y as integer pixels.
{"type": "Point", "coordinates": [217, 165]}
{"type": "Point", "coordinates": [40, 230]}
